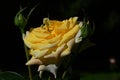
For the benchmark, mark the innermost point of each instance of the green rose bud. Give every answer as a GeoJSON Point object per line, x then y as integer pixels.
{"type": "Point", "coordinates": [20, 20]}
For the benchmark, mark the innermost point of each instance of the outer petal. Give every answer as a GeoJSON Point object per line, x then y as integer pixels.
{"type": "Point", "coordinates": [68, 50]}
{"type": "Point", "coordinates": [25, 35]}
{"type": "Point", "coordinates": [81, 24]}
{"type": "Point", "coordinates": [70, 34]}
{"type": "Point", "coordinates": [51, 68]}
{"type": "Point", "coordinates": [72, 22]}
{"type": "Point", "coordinates": [33, 61]}
{"type": "Point", "coordinates": [40, 45]}
{"type": "Point", "coordinates": [56, 53]}
{"type": "Point", "coordinates": [39, 53]}
{"type": "Point", "coordinates": [78, 37]}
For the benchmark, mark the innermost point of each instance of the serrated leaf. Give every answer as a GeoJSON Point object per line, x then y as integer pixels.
{"type": "Point", "coordinates": [9, 75]}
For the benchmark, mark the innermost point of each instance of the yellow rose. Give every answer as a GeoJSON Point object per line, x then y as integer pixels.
{"type": "Point", "coordinates": [52, 41]}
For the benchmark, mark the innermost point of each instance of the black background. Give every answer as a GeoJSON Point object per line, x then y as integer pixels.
{"type": "Point", "coordinates": [105, 14]}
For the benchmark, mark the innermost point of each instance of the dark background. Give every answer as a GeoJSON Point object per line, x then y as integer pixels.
{"type": "Point", "coordinates": [105, 15]}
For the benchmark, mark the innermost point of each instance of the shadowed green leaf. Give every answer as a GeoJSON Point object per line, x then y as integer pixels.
{"type": "Point", "coordinates": [9, 75]}
{"type": "Point", "coordinates": [101, 76]}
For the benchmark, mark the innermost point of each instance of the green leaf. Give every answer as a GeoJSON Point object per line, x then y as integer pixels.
{"type": "Point", "coordinates": [9, 75]}
{"type": "Point", "coordinates": [101, 76]}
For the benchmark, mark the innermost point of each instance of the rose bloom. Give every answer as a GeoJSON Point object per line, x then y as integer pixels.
{"type": "Point", "coordinates": [51, 41]}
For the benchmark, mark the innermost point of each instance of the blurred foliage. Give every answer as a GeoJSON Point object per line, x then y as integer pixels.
{"type": "Point", "coordinates": [83, 76]}
{"type": "Point", "coordinates": [101, 76]}
{"type": "Point", "coordinates": [10, 75]}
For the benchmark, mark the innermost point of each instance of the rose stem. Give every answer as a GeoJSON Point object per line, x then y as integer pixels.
{"type": "Point", "coordinates": [27, 57]}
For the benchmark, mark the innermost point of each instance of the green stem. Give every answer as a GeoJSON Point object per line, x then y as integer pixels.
{"type": "Point", "coordinates": [27, 57]}
{"type": "Point", "coordinates": [29, 69]}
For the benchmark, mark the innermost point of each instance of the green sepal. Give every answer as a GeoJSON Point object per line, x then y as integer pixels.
{"type": "Point", "coordinates": [87, 28]}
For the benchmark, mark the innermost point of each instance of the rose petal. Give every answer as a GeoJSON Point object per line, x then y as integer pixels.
{"type": "Point", "coordinates": [51, 68]}
{"type": "Point", "coordinates": [33, 61]}
{"type": "Point", "coordinates": [52, 40]}
{"type": "Point", "coordinates": [27, 43]}
{"type": "Point", "coordinates": [77, 37]}
{"type": "Point", "coordinates": [70, 43]}
{"type": "Point", "coordinates": [40, 45]}
{"type": "Point", "coordinates": [81, 24]}
{"type": "Point", "coordinates": [25, 35]}
{"type": "Point", "coordinates": [61, 28]}
{"type": "Point", "coordinates": [56, 53]}
{"type": "Point", "coordinates": [48, 45]}
{"type": "Point", "coordinates": [68, 50]}
{"type": "Point", "coordinates": [39, 53]}
{"type": "Point", "coordinates": [65, 52]}
{"type": "Point", "coordinates": [70, 34]}
{"type": "Point", "coordinates": [40, 32]}
{"type": "Point", "coordinates": [72, 22]}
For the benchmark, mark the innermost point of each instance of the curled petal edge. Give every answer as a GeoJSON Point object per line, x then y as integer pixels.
{"type": "Point", "coordinates": [52, 68]}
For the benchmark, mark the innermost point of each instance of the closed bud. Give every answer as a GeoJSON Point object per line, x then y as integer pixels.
{"type": "Point", "coordinates": [20, 20]}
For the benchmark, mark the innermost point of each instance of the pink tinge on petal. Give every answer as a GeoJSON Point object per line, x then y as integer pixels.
{"type": "Point", "coordinates": [33, 61]}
